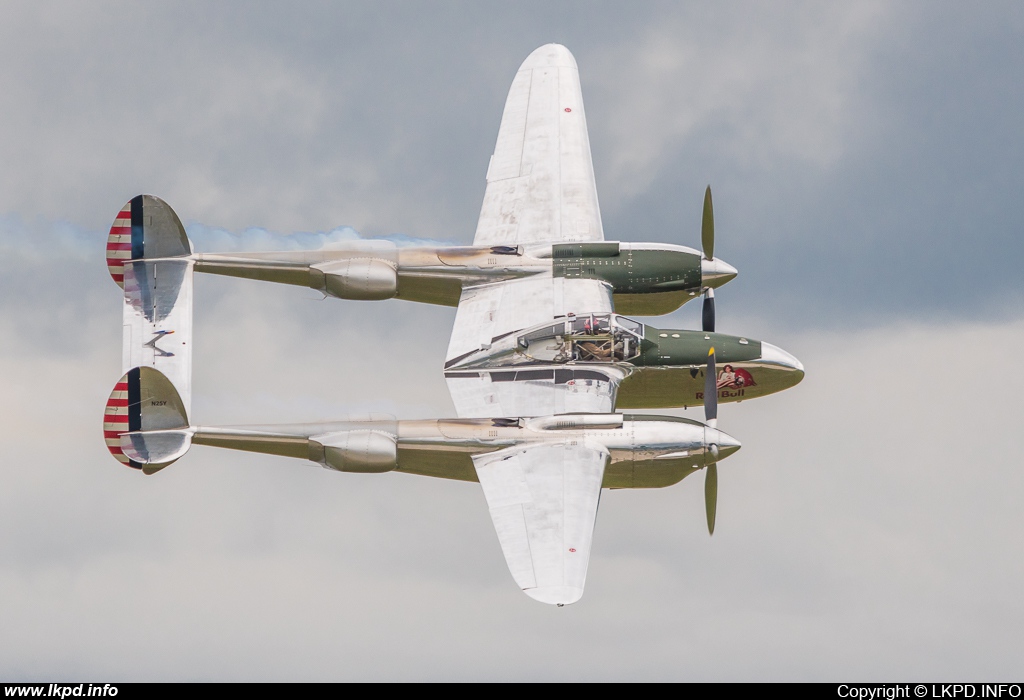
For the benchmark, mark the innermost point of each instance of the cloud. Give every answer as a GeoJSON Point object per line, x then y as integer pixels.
{"type": "Point", "coordinates": [878, 494]}
{"type": "Point", "coordinates": [864, 159]}
{"type": "Point", "coordinates": [757, 84]}
{"type": "Point", "coordinates": [866, 170]}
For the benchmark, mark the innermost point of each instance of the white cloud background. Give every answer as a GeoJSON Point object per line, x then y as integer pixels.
{"type": "Point", "coordinates": [866, 165]}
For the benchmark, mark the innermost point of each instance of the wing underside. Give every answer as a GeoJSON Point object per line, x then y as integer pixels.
{"type": "Point", "coordinates": [543, 502]}
{"type": "Point", "coordinates": [540, 182]}
{"type": "Point", "coordinates": [533, 391]}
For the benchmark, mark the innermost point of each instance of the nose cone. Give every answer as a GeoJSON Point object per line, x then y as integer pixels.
{"type": "Point", "coordinates": [727, 444]}
{"type": "Point", "coordinates": [772, 354]}
{"type": "Point", "coordinates": [715, 273]}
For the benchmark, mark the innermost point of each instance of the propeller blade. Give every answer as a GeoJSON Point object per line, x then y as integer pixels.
{"type": "Point", "coordinates": [711, 495]}
{"type": "Point", "coordinates": [708, 312]}
{"type": "Point", "coordinates": [707, 227]}
{"type": "Point", "coordinates": [711, 391]}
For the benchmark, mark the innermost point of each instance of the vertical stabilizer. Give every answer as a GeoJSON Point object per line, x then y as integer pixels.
{"type": "Point", "coordinates": [146, 227]}
{"type": "Point", "coordinates": [145, 424]}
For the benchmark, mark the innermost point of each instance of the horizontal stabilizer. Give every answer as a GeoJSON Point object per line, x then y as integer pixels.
{"type": "Point", "coordinates": [145, 423]}
{"type": "Point", "coordinates": [155, 449]}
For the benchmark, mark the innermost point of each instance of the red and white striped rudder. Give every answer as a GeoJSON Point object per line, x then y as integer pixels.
{"type": "Point", "coordinates": [145, 424]}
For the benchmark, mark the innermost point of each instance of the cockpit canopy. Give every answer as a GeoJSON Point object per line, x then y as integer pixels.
{"type": "Point", "coordinates": [585, 338]}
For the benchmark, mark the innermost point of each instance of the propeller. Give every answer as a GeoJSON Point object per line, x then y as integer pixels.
{"type": "Point", "coordinates": [711, 419]}
{"type": "Point", "coordinates": [707, 315]}
{"type": "Point", "coordinates": [707, 240]}
{"type": "Point", "coordinates": [711, 392]}
{"type": "Point", "coordinates": [707, 227]}
{"type": "Point", "coordinates": [711, 494]}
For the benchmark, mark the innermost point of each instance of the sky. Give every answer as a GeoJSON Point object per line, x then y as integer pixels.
{"type": "Point", "coordinates": [866, 162]}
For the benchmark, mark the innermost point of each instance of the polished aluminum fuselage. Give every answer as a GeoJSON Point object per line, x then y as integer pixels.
{"type": "Point", "coordinates": [625, 439]}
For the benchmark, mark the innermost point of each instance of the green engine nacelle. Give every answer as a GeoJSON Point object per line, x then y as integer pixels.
{"type": "Point", "coordinates": [647, 279]}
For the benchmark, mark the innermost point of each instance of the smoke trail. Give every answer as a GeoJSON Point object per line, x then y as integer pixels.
{"type": "Point", "coordinates": [36, 240]}
{"type": "Point", "coordinates": [39, 239]}
{"type": "Point", "coordinates": [206, 239]}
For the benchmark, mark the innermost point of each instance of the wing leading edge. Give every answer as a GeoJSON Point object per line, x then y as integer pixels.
{"type": "Point", "coordinates": [543, 501]}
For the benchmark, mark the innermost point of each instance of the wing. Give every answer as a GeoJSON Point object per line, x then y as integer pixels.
{"type": "Point", "coordinates": [492, 311]}
{"type": "Point", "coordinates": [543, 501]}
{"type": "Point", "coordinates": [534, 392]}
{"type": "Point", "coordinates": [540, 182]}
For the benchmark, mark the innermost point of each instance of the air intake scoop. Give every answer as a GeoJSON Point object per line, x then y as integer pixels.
{"type": "Point", "coordinates": [576, 421]}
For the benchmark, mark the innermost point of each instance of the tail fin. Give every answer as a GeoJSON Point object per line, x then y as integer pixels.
{"type": "Point", "coordinates": [149, 256]}
{"type": "Point", "coordinates": [145, 423]}
{"type": "Point", "coordinates": [146, 227]}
